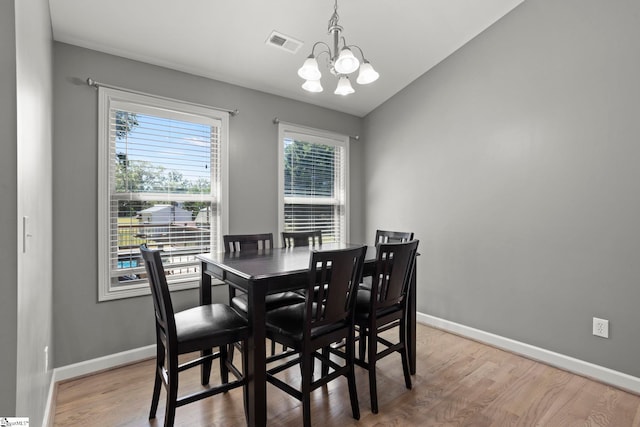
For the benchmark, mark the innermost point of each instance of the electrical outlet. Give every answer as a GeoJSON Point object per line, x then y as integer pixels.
{"type": "Point", "coordinates": [600, 327]}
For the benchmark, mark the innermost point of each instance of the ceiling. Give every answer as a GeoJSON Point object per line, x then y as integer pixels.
{"type": "Point", "coordinates": [226, 40]}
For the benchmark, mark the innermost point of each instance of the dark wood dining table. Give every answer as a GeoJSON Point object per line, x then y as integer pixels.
{"type": "Point", "coordinates": [268, 271]}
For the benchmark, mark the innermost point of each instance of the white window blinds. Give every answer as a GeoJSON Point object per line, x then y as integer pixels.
{"type": "Point", "coordinates": [313, 170]}
{"type": "Point", "coordinates": [164, 170]}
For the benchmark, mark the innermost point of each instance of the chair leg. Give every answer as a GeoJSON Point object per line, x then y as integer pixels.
{"type": "Point", "coordinates": [160, 359]}
{"type": "Point", "coordinates": [273, 347]}
{"type": "Point", "coordinates": [351, 378]}
{"type": "Point", "coordinates": [325, 366]}
{"type": "Point", "coordinates": [156, 394]}
{"type": "Point", "coordinates": [224, 370]}
{"type": "Point", "coordinates": [373, 388]}
{"type": "Point", "coordinates": [306, 363]}
{"type": "Point", "coordinates": [206, 367]}
{"type": "Point", "coordinates": [362, 343]}
{"type": "Point", "coordinates": [172, 396]}
{"type": "Point", "coordinates": [404, 354]}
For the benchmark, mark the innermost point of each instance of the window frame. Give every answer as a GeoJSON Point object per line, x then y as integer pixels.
{"type": "Point", "coordinates": [160, 107]}
{"type": "Point", "coordinates": [316, 136]}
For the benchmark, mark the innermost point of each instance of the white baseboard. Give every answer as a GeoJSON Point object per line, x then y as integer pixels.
{"type": "Point", "coordinates": [90, 367]}
{"type": "Point", "coordinates": [101, 363]}
{"type": "Point", "coordinates": [576, 366]}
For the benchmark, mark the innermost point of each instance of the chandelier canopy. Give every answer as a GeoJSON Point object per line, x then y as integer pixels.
{"type": "Point", "coordinates": [341, 62]}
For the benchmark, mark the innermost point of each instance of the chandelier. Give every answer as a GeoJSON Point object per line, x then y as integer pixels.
{"type": "Point", "coordinates": [341, 62]}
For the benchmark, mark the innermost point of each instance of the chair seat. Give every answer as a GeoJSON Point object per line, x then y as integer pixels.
{"type": "Point", "coordinates": [289, 321]}
{"type": "Point", "coordinates": [272, 301]}
{"type": "Point", "coordinates": [209, 326]}
{"type": "Point", "coordinates": [363, 302]}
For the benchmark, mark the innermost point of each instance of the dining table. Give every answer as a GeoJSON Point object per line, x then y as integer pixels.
{"type": "Point", "coordinates": [271, 270]}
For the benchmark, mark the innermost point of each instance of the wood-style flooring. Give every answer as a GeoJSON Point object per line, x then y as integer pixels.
{"type": "Point", "coordinates": [459, 382]}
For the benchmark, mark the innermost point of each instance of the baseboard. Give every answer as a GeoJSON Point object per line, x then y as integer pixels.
{"type": "Point", "coordinates": [580, 367]}
{"type": "Point", "coordinates": [89, 367]}
{"type": "Point", "coordinates": [50, 408]}
{"type": "Point", "coordinates": [101, 363]}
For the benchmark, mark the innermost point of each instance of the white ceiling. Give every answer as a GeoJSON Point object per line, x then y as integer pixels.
{"type": "Point", "coordinates": [225, 40]}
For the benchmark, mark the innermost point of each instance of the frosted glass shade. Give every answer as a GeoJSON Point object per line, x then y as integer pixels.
{"type": "Point", "coordinates": [309, 70]}
{"type": "Point", "coordinates": [312, 86]}
{"type": "Point", "coordinates": [347, 62]}
{"type": "Point", "coordinates": [344, 86]}
{"type": "Point", "coordinates": [367, 74]}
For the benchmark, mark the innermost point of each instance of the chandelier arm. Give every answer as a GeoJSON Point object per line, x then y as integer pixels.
{"type": "Point", "coordinates": [325, 45]}
{"type": "Point", "coordinates": [361, 52]}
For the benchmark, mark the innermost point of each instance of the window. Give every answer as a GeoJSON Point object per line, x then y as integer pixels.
{"type": "Point", "coordinates": [313, 182]}
{"type": "Point", "coordinates": [162, 182]}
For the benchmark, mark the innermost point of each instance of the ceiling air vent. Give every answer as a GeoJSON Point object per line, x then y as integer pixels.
{"type": "Point", "coordinates": [284, 42]}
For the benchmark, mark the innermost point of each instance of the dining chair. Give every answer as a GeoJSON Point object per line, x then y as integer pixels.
{"type": "Point", "coordinates": [254, 242]}
{"type": "Point", "coordinates": [200, 328]}
{"type": "Point", "coordinates": [247, 242]}
{"type": "Point", "coordinates": [292, 239]}
{"type": "Point", "coordinates": [386, 236]}
{"type": "Point", "coordinates": [310, 327]}
{"type": "Point", "coordinates": [383, 307]}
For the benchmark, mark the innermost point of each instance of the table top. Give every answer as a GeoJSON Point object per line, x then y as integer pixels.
{"type": "Point", "coordinates": [268, 263]}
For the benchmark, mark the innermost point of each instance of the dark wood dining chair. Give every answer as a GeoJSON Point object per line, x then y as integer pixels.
{"type": "Point", "coordinates": [309, 328]}
{"type": "Point", "coordinates": [291, 239]}
{"type": "Point", "coordinates": [386, 236]}
{"type": "Point", "coordinates": [247, 242]}
{"type": "Point", "coordinates": [255, 242]}
{"type": "Point", "coordinates": [201, 328]}
{"type": "Point", "coordinates": [383, 307]}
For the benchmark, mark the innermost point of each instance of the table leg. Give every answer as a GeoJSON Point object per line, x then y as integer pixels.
{"type": "Point", "coordinates": [257, 387]}
{"type": "Point", "coordinates": [205, 298]}
{"type": "Point", "coordinates": [411, 327]}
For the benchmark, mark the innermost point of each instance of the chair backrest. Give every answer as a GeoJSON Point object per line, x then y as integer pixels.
{"type": "Point", "coordinates": [384, 236]}
{"type": "Point", "coordinates": [394, 268]}
{"type": "Point", "coordinates": [247, 242]}
{"type": "Point", "coordinates": [334, 277]}
{"type": "Point", "coordinates": [292, 239]}
{"type": "Point", "coordinates": [165, 322]}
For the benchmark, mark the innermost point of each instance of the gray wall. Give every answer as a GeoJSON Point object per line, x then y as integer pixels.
{"type": "Point", "coordinates": [515, 161]}
{"type": "Point", "coordinates": [85, 329]}
{"type": "Point", "coordinates": [8, 218]}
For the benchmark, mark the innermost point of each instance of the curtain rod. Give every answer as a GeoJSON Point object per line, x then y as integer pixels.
{"type": "Point", "coordinates": [96, 84]}
{"type": "Point", "coordinates": [277, 120]}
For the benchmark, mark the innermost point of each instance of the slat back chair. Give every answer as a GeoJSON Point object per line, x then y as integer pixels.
{"type": "Point", "coordinates": [253, 243]}
{"type": "Point", "coordinates": [385, 236]}
{"type": "Point", "coordinates": [311, 327]}
{"type": "Point", "coordinates": [247, 242]}
{"type": "Point", "coordinates": [292, 239]}
{"type": "Point", "coordinates": [199, 328]}
{"type": "Point", "coordinates": [385, 306]}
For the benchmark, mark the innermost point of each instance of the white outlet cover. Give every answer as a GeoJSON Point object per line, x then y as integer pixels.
{"type": "Point", "coordinates": [600, 327]}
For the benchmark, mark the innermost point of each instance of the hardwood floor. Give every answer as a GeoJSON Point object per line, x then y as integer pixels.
{"type": "Point", "coordinates": [458, 383]}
